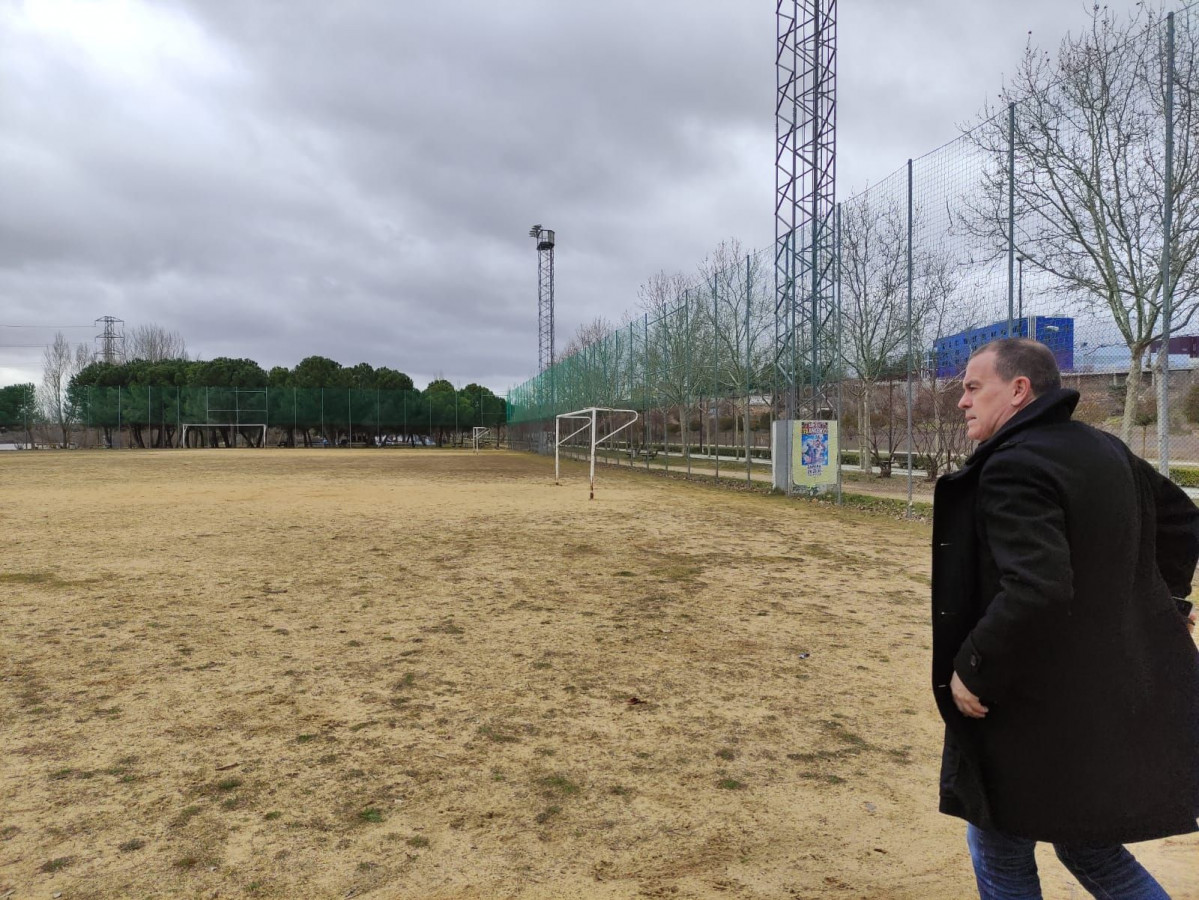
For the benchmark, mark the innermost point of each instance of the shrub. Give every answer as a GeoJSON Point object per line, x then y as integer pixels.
{"type": "Point", "coordinates": [1185, 477]}
{"type": "Point", "coordinates": [1190, 405]}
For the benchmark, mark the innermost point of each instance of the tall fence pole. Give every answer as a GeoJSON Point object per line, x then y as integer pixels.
{"type": "Point", "coordinates": [1163, 395]}
{"type": "Point", "coordinates": [1011, 215]}
{"type": "Point", "coordinates": [911, 343]}
{"type": "Point", "coordinates": [840, 373]}
{"type": "Point", "coordinates": [665, 407]}
{"type": "Point", "coordinates": [716, 370]}
{"type": "Point", "coordinates": [748, 358]}
{"type": "Point", "coordinates": [632, 377]}
{"type": "Point", "coordinates": [645, 392]}
{"type": "Point", "coordinates": [685, 427]}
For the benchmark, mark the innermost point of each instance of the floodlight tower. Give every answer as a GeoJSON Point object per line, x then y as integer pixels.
{"type": "Point", "coordinates": [545, 296]}
{"type": "Point", "coordinates": [805, 121]}
{"type": "Point", "coordinates": [111, 339]}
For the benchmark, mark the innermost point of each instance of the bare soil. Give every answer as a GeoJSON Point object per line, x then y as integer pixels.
{"type": "Point", "coordinates": [435, 674]}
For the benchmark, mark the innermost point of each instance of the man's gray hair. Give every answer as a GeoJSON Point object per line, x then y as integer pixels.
{"type": "Point", "coordinates": [1022, 356]}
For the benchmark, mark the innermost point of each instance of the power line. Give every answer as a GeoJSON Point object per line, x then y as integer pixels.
{"type": "Point", "coordinates": [46, 326]}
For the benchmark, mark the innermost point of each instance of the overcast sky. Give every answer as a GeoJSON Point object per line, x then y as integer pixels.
{"type": "Point", "coordinates": [275, 179]}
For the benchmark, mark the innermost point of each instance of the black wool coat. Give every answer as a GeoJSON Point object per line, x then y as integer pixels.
{"type": "Point", "coordinates": [1056, 557]}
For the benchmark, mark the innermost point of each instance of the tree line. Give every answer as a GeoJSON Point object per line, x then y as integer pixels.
{"type": "Point", "coordinates": [319, 401]}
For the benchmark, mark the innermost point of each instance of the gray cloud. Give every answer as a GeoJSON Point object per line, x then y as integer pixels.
{"type": "Point", "coordinates": [356, 179]}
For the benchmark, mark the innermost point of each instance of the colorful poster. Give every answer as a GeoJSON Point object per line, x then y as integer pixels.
{"type": "Point", "coordinates": [814, 453]}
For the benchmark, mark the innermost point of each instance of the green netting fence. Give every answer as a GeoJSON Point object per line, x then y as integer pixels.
{"type": "Point", "coordinates": [161, 416]}
{"type": "Point", "coordinates": [1069, 213]}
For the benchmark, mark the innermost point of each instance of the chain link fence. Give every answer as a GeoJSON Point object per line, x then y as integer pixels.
{"type": "Point", "coordinates": [1046, 219]}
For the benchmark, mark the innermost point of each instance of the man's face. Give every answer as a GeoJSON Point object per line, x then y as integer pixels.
{"type": "Point", "coordinates": [987, 399]}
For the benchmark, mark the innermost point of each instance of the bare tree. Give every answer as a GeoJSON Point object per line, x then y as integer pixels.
{"type": "Point", "coordinates": [154, 343]}
{"type": "Point", "coordinates": [60, 363]}
{"type": "Point", "coordinates": [591, 370]}
{"type": "Point", "coordinates": [874, 300]}
{"type": "Point", "coordinates": [588, 333]}
{"type": "Point", "coordinates": [675, 326]}
{"type": "Point", "coordinates": [938, 429]}
{"type": "Point", "coordinates": [1089, 180]}
{"type": "Point", "coordinates": [740, 319]}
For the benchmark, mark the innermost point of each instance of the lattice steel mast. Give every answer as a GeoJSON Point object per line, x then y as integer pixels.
{"type": "Point", "coordinates": [545, 296]}
{"type": "Point", "coordinates": [111, 339]}
{"type": "Point", "coordinates": [805, 196]}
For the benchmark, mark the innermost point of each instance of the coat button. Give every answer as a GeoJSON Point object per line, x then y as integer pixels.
{"type": "Point", "coordinates": [973, 661]}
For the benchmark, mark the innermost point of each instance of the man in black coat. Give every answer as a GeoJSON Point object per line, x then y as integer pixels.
{"type": "Point", "coordinates": [1063, 665]}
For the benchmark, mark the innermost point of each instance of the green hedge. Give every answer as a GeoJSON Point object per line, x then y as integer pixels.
{"type": "Point", "coordinates": [1185, 477]}
{"type": "Point", "coordinates": [851, 458]}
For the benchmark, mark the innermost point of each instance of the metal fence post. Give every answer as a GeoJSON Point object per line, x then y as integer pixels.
{"type": "Point", "coordinates": [645, 386]}
{"type": "Point", "coordinates": [1163, 395]}
{"type": "Point", "coordinates": [911, 343]}
{"type": "Point", "coordinates": [685, 427]}
{"type": "Point", "coordinates": [748, 363]}
{"type": "Point", "coordinates": [840, 354]}
{"type": "Point", "coordinates": [1011, 214]}
{"type": "Point", "coordinates": [716, 372]}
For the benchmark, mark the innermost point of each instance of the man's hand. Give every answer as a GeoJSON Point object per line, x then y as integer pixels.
{"type": "Point", "coordinates": [967, 704]}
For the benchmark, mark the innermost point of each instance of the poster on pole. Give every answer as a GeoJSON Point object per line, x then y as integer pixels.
{"type": "Point", "coordinates": [814, 452]}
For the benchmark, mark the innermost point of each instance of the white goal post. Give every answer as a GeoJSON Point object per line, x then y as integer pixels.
{"type": "Point", "coordinates": [234, 430]}
{"type": "Point", "coordinates": [477, 432]}
{"type": "Point", "coordinates": [589, 417]}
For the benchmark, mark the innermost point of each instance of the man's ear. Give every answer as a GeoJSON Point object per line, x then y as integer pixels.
{"type": "Point", "coordinates": [1021, 391]}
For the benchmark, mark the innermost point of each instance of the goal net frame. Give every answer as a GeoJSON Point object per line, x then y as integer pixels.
{"type": "Point", "coordinates": [477, 432]}
{"type": "Point", "coordinates": [234, 429]}
{"type": "Point", "coordinates": [218, 416]}
{"type": "Point", "coordinates": [590, 419]}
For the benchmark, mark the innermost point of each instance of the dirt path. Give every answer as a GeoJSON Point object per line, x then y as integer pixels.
{"type": "Point", "coordinates": [435, 674]}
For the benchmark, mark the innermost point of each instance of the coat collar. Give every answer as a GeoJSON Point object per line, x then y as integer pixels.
{"type": "Point", "coordinates": [1051, 407]}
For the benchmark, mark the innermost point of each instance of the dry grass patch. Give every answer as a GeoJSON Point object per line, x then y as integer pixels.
{"type": "Point", "coordinates": [435, 674]}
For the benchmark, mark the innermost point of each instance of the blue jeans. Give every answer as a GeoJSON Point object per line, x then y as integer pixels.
{"type": "Point", "coordinates": [1005, 868]}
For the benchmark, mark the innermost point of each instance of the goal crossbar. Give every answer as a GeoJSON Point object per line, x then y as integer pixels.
{"type": "Point", "coordinates": [589, 417]}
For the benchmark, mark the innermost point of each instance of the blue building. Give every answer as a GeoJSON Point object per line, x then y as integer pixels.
{"type": "Point", "coordinates": [949, 354]}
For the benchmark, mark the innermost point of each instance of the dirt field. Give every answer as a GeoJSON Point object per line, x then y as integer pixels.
{"type": "Point", "coordinates": [434, 674]}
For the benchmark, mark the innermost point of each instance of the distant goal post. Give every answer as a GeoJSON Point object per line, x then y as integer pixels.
{"type": "Point", "coordinates": [590, 419]}
{"type": "Point", "coordinates": [245, 408]}
{"type": "Point", "coordinates": [234, 431]}
{"type": "Point", "coordinates": [479, 432]}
